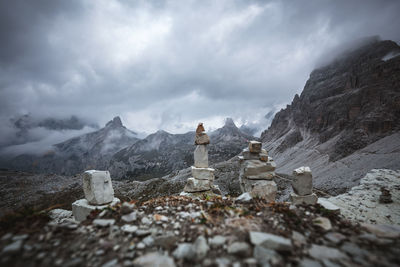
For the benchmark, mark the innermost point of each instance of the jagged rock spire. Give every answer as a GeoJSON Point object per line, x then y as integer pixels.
{"type": "Point", "coordinates": [115, 122]}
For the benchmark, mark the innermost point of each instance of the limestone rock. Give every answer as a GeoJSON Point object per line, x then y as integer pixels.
{"type": "Point", "coordinates": [104, 222]}
{"type": "Point", "coordinates": [323, 222]}
{"type": "Point", "coordinates": [239, 248]}
{"type": "Point", "coordinates": [203, 173]}
{"type": "Point", "coordinates": [245, 197]}
{"type": "Point", "coordinates": [270, 241]}
{"type": "Point", "coordinates": [302, 181]}
{"type": "Point", "coordinates": [266, 256]}
{"type": "Point", "coordinates": [196, 185]}
{"type": "Point", "coordinates": [154, 259]}
{"type": "Point", "coordinates": [201, 156]}
{"type": "Point", "coordinates": [82, 208]}
{"type": "Point", "coordinates": [265, 190]}
{"type": "Point", "coordinates": [308, 199]}
{"type": "Point", "coordinates": [255, 147]}
{"type": "Point", "coordinates": [326, 204]}
{"type": "Point", "coordinates": [262, 176]}
{"type": "Point", "coordinates": [255, 167]}
{"type": "Point", "coordinates": [97, 187]}
{"type": "Point", "coordinates": [323, 252]}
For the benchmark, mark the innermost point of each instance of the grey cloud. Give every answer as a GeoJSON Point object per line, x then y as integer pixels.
{"type": "Point", "coordinates": [168, 64]}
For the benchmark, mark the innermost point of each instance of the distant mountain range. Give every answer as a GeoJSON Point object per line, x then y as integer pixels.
{"type": "Point", "coordinates": [119, 150]}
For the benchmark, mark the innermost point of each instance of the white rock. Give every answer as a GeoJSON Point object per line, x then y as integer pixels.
{"type": "Point", "coordinates": [127, 207]}
{"type": "Point", "coordinates": [200, 246]}
{"type": "Point", "coordinates": [59, 215]}
{"type": "Point", "coordinates": [302, 181]}
{"type": "Point", "coordinates": [245, 197]}
{"type": "Point", "coordinates": [266, 256]}
{"type": "Point", "coordinates": [81, 208]}
{"type": "Point", "coordinates": [326, 204]}
{"type": "Point", "coordinates": [129, 217]}
{"type": "Point", "coordinates": [196, 185]}
{"type": "Point", "coordinates": [13, 247]}
{"type": "Point", "coordinates": [323, 222]}
{"type": "Point", "coordinates": [264, 189]}
{"type": "Point", "coordinates": [270, 241]}
{"type": "Point", "coordinates": [217, 241]}
{"type": "Point", "coordinates": [308, 199]}
{"type": "Point", "coordinates": [97, 187]}
{"type": "Point", "coordinates": [203, 173]}
{"type": "Point", "coordinates": [239, 248]}
{"type": "Point", "coordinates": [201, 156]}
{"type": "Point", "coordinates": [103, 222]}
{"type": "Point", "coordinates": [154, 259]}
{"type": "Point", "coordinates": [127, 228]}
{"type": "Point", "coordinates": [184, 251]}
{"type": "Point", "coordinates": [256, 167]}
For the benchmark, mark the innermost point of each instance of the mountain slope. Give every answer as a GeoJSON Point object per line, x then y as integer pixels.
{"type": "Point", "coordinates": [161, 153]}
{"type": "Point", "coordinates": [77, 154]}
{"type": "Point", "coordinates": [345, 108]}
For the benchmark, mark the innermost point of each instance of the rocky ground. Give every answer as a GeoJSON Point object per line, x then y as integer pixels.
{"type": "Point", "coordinates": [215, 231]}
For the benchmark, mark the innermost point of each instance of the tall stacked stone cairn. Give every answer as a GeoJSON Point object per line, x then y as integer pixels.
{"type": "Point", "coordinates": [203, 176]}
{"type": "Point", "coordinates": [99, 193]}
{"type": "Point", "coordinates": [257, 171]}
{"type": "Point", "coordinates": [302, 186]}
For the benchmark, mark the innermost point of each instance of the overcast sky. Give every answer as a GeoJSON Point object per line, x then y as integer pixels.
{"type": "Point", "coordinates": [170, 64]}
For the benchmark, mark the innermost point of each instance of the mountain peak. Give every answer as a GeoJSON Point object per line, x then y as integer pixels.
{"type": "Point", "coordinates": [229, 123]}
{"type": "Point", "coordinates": [116, 122]}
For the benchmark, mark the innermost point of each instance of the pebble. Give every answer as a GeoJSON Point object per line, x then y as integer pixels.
{"type": "Point", "coordinates": [103, 222]}
{"type": "Point", "coordinates": [334, 237]}
{"type": "Point", "coordinates": [13, 247]}
{"type": "Point", "coordinates": [216, 241]}
{"type": "Point", "coordinates": [306, 262]}
{"type": "Point", "coordinates": [127, 228]}
{"type": "Point", "coordinates": [323, 252]}
{"type": "Point", "coordinates": [20, 237]}
{"type": "Point", "coordinates": [201, 247]}
{"type": "Point", "coordinates": [239, 248]}
{"type": "Point", "coordinates": [129, 217]}
{"type": "Point", "coordinates": [140, 245]}
{"type": "Point", "coordinates": [323, 222]}
{"type": "Point", "coordinates": [270, 241]}
{"type": "Point", "coordinates": [111, 263]}
{"type": "Point", "coordinates": [184, 251]}
{"type": "Point", "coordinates": [146, 221]}
{"type": "Point", "coordinates": [154, 259]}
{"type": "Point", "coordinates": [127, 207]}
{"type": "Point", "coordinates": [266, 256]}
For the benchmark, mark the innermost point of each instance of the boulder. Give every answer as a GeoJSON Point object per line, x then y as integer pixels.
{"type": "Point", "coordinates": [82, 208]}
{"type": "Point", "coordinates": [255, 167]}
{"type": "Point", "coordinates": [265, 190]}
{"type": "Point", "coordinates": [196, 185]}
{"type": "Point", "coordinates": [203, 173]}
{"type": "Point", "coordinates": [308, 199]}
{"type": "Point", "coordinates": [255, 146]}
{"type": "Point", "coordinates": [302, 181]}
{"type": "Point", "coordinates": [97, 187]}
{"type": "Point", "coordinates": [201, 156]}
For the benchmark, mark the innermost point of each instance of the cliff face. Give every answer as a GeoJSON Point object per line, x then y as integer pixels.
{"type": "Point", "coordinates": [345, 107]}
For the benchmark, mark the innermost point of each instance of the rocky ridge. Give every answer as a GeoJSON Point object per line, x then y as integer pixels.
{"type": "Point", "coordinates": [348, 111]}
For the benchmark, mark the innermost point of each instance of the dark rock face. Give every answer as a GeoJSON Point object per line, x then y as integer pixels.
{"type": "Point", "coordinates": [88, 151]}
{"type": "Point", "coordinates": [345, 121]}
{"type": "Point", "coordinates": [162, 153]}
{"type": "Point", "coordinates": [356, 98]}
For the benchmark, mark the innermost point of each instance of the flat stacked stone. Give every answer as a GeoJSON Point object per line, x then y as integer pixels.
{"type": "Point", "coordinates": [302, 187]}
{"type": "Point", "coordinates": [99, 193]}
{"type": "Point", "coordinates": [257, 171]}
{"type": "Point", "coordinates": [203, 176]}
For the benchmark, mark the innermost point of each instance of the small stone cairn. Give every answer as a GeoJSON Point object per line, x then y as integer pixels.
{"type": "Point", "coordinates": [99, 193]}
{"type": "Point", "coordinates": [302, 186]}
{"type": "Point", "coordinates": [203, 176]}
{"type": "Point", "coordinates": [257, 171]}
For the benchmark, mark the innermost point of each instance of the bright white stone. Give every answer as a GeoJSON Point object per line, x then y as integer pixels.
{"type": "Point", "coordinates": [264, 189]}
{"type": "Point", "coordinates": [270, 241]}
{"type": "Point", "coordinates": [201, 156]}
{"type": "Point", "coordinates": [245, 197]}
{"type": "Point", "coordinates": [127, 228]}
{"type": "Point", "coordinates": [81, 208]}
{"type": "Point", "coordinates": [97, 187]}
{"type": "Point", "coordinates": [196, 185]}
{"type": "Point", "coordinates": [154, 259]}
{"type": "Point", "coordinates": [326, 204]}
{"type": "Point", "coordinates": [203, 173]}
{"type": "Point", "coordinates": [103, 222]}
{"type": "Point", "coordinates": [302, 181]}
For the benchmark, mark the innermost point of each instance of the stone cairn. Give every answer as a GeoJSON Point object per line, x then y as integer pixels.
{"type": "Point", "coordinates": [203, 176]}
{"type": "Point", "coordinates": [302, 186]}
{"type": "Point", "coordinates": [257, 171]}
{"type": "Point", "coordinates": [99, 193]}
